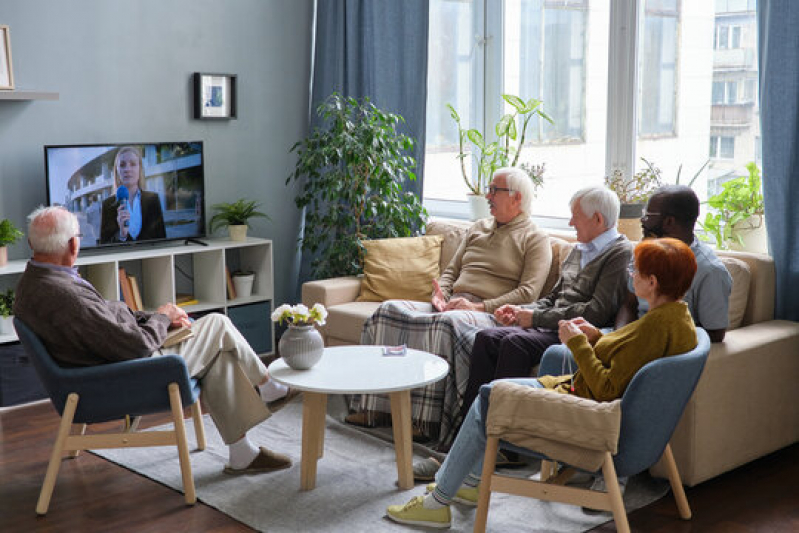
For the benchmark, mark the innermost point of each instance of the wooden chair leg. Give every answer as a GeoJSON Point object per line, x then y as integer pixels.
{"type": "Point", "coordinates": [676, 484]}
{"type": "Point", "coordinates": [199, 428]}
{"type": "Point", "coordinates": [182, 443]}
{"type": "Point", "coordinates": [55, 457]}
{"type": "Point", "coordinates": [77, 429]}
{"type": "Point", "coordinates": [548, 469]}
{"type": "Point", "coordinates": [614, 494]}
{"type": "Point", "coordinates": [484, 497]}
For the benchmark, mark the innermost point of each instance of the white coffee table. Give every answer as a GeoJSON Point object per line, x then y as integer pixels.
{"type": "Point", "coordinates": [359, 370]}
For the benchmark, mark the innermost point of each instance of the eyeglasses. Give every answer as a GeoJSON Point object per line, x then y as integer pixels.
{"type": "Point", "coordinates": [78, 235]}
{"type": "Point", "coordinates": [647, 215]}
{"type": "Point", "coordinates": [494, 190]}
{"type": "Point", "coordinates": [632, 271]}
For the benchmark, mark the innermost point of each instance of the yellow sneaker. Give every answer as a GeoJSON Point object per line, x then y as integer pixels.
{"type": "Point", "coordinates": [465, 495]}
{"type": "Point", "coordinates": [414, 513]}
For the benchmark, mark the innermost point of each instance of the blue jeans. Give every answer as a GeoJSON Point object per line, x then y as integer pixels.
{"type": "Point", "coordinates": [466, 455]}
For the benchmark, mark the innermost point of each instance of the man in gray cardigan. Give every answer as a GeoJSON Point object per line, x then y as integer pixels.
{"type": "Point", "coordinates": [81, 328]}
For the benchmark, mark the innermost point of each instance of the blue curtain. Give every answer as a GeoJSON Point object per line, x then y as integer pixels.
{"type": "Point", "coordinates": [778, 25]}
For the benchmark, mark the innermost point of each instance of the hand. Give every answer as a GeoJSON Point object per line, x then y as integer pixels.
{"type": "Point", "coordinates": [177, 316]}
{"type": "Point", "coordinates": [524, 318]}
{"type": "Point", "coordinates": [506, 314]}
{"type": "Point", "coordinates": [567, 329]}
{"type": "Point", "coordinates": [588, 329]}
{"type": "Point", "coordinates": [123, 215]}
{"type": "Point", "coordinates": [439, 301]}
{"type": "Point", "coordinates": [464, 305]}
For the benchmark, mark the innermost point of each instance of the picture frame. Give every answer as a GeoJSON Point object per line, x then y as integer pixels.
{"type": "Point", "coordinates": [214, 96]}
{"type": "Point", "coordinates": [6, 72]}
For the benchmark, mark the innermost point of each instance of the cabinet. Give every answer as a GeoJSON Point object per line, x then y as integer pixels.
{"type": "Point", "coordinates": [163, 272]}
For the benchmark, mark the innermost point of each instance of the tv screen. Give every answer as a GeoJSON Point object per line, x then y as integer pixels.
{"type": "Point", "coordinates": [129, 193]}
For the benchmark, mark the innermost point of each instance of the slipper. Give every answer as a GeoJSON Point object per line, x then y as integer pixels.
{"type": "Point", "coordinates": [265, 461]}
{"type": "Point", "coordinates": [276, 405]}
{"type": "Point", "coordinates": [426, 470]}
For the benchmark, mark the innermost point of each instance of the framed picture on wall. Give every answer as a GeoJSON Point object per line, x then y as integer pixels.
{"type": "Point", "coordinates": [214, 96]}
{"type": "Point", "coordinates": [6, 72]}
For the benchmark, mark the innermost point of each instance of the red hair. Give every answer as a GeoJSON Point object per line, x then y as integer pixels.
{"type": "Point", "coordinates": [671, 261]}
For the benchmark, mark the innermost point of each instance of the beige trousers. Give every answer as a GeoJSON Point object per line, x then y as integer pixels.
{"type": "Point", "coordinates": [228, 370]}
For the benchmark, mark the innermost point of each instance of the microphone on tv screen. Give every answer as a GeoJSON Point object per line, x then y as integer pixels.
{"type": "Point", "coordinates": [122, 198]}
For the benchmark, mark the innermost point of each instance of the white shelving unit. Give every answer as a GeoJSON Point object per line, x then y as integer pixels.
{"type": "Point", "coordinates": [164, 271]}
{"type": "Point", "coordinates": [28, 95]}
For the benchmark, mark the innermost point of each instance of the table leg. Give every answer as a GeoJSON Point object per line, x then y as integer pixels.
{"type": "Point", "coordinates": [403, 440]}
{"type": "Point", "coordinates": [313, 431]}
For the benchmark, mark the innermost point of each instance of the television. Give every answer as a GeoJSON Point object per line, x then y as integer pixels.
{"type": "Point", "coordinates": [129, 193]}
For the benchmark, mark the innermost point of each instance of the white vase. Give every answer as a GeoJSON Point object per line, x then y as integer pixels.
{"type": "Point", "coordinates": [243, 285]}
{"type": "Point", "coordinates": [237, 232]}
{"type": "Point", "coordinates": [7, 325]}
{"type": "Point", "coordinates": [753, 233]}
{"type": "Point", "coordinates": [301, 347]}
{"type": "Point", "coordinates": [478, 207]}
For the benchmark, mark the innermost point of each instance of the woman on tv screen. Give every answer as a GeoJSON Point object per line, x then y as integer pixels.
{"type": "Point", "coordinates": [132, 214]}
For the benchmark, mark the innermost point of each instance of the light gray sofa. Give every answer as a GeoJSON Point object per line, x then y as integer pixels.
{"type": "Point", "coordinates": [745, 405]}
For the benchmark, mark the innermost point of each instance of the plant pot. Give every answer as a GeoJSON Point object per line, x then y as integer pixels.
{"type": "Point", "coordinates": [478, 207]}
{"type": "Point", "coordinates": [3, 256]}
{"type": "Point", "coordinates": [7, 325]}
{"type": "Point", "coordinates": [629, 223]}
{"type": "Point", "coordinates": [243, 284]}
{"type": "Point", "coordinates": [301, 347]}
{"type": "Point", "coordinates": [753, 233]}
{"type": "Point", "coordinates": [237, 232]}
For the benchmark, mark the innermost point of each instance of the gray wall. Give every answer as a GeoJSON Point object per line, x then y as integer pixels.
{"type": "Point", "coordinates": [123, 70]}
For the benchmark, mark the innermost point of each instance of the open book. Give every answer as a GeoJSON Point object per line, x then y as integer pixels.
{"type": "Point", "coordinates": [177, 335]}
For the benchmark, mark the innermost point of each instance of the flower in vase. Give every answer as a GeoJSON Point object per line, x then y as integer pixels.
{"type": "Point", "coordinates": [300, 315]}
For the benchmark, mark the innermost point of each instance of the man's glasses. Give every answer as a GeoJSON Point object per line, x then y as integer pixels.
{"type": "Point", "coordinates": [494, 190]}
{"type": "Point", "coordinates": [647, 215]}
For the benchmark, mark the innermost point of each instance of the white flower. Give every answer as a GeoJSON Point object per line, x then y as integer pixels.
{"type": "Point", "coordinates": [300, 315]}
{"type": "Point", "coordinates": [299, 309]}
{"type": "Point", "coordinates": [318, 314]}
{"type": "Point", "coordinates": [278, 314]}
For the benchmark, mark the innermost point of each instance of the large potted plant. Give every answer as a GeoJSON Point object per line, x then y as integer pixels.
{"type": "Point", "coordinates": [510, 131]}
{"type": "Point", "coordinates": [236, 217]}
{"type": "Point", "coordinates": [9, 234]}
{"type": "Point", "coordinates": [737, 220]}
{"type": "Point", "coordinates": [633, 195]}
{"type": "Point", "coordinates": [352, 168]}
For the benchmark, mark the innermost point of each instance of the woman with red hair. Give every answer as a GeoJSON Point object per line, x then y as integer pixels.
{"type": "Point", "coordinates": [664, 269]}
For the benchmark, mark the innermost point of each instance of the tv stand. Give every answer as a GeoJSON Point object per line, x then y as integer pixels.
{"type": "Point", "coordinates": [191, 240]}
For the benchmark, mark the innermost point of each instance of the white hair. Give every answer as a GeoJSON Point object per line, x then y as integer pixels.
{"type": "Point", "coordinates": [597, 199]}
{"type": "Point", "coordinates": [518, 182]}
{"type": "Point", "coordinates": [50, 229]}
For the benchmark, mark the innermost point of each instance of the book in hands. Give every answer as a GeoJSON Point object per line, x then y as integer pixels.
{"type": "Point", "coordinates": [177, 335]}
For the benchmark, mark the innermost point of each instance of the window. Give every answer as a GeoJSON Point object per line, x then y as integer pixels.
{"type": "Point", "coordinates": [658, 68]}
{"type": "Point", "coordinates": [724, 92]}
{"type": "Point", "coordinates": [722, 147]}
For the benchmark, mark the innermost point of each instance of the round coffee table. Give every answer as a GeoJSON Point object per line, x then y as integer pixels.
{"type": "Point", "coordinates": [359, 370]}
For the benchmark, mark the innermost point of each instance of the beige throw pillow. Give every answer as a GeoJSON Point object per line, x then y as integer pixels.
{"type": "Point", "coordinates": [739, 295]}
{"type": "Point", "coordinates": [400, 269]}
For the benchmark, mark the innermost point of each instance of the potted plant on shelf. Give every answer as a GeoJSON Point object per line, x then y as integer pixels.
{"type": "Point", "coordinates": [352, 168]}
{"type": "Point", "coordinates": [236, 217]}
{"type": "Point", "coordinates": [633, 195]}
{"type": "Point", "coordinates": [504, 152]}
{"type": "Point", "coordinates": [6, 312]}
{"type": "Point", "coordinates": [9, 234]}
{"type": "Point", "coordinates": [243, 282]}
{"type": "Point", "coordinates": [737, 220]}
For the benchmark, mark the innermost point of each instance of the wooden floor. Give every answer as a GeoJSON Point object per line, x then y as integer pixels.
{"type": "Point", "coordinates": [95, 495]}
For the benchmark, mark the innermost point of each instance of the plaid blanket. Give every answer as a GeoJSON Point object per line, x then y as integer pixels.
{"type": "Point", "coordinates": [449, 335]}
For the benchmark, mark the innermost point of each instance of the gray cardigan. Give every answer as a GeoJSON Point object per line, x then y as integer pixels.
{"type": "Point", "coordinates": [78, 326]}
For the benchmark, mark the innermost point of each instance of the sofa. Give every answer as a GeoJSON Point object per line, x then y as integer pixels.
{"type": "Point", "coordinates": [744, 406]}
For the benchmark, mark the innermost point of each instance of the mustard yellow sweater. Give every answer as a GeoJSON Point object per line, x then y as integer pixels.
{"type": "Point", "coordinates": [605, 369]}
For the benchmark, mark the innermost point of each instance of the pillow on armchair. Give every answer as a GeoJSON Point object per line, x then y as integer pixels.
{"type": "Point", "coordinates": [402, 268]}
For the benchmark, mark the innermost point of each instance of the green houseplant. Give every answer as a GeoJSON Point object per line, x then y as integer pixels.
{"type": "Point", "coordinates": [236, 217]}
{"type": "Point", "coordinates": [511, 131]}
{"type": "Point", "coordinates": [6, 310]}
{"type": "Point", "coordinates": [633, 195]}
{"type": "Point", "coordinates": [9, 234]}
{"type": "Point", "coordinates": [352, 168]}
{"type": "Point", "coordinates": [737, 211]}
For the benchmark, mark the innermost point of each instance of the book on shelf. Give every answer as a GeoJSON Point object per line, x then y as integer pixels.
{"type": "Point", "coordinates": [193, 301]}
{"type": "Point", "coordinates": [231, 289]}
{"type": "Point", "coordinates": [177, 335]}
{"type": "Point", "coordinates": [134, 287]}
{"type": "Point", "coordinates": [183, 297]}
{"type": "Point", "coordinates": [126, 290]}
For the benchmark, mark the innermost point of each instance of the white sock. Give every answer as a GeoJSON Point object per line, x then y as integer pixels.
{"type": "Point", "coordinates": [431, 503]}
{"type": "Point", "coordinates": [241, 453]}
{"type": "Point", "coordinates": [272, 390]}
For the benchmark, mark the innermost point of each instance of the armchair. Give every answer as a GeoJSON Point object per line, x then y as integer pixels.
{"type": "Point", "coordinates": [650, 409]}
{"type": "Point", "coordinates": [115, 391]}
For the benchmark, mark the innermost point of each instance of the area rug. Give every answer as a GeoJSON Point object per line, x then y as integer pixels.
{"type": "Point", "coordinates": [356, 481]}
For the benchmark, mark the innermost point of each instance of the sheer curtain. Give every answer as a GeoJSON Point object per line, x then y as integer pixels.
{"type": "Point", "coordinates": [778, 36]}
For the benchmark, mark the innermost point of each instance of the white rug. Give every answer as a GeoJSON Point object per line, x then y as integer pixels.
{"type": "Point", "coordinates": [356, 481]}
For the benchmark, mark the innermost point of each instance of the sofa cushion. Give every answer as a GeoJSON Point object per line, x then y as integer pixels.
{"type": "Point", "coordinates": [401, 268]}
{"type": "Point", "coordinates": [345, 321]}
{"type": "Point", "coordinates": [739, 295]}
{"type": "Point", "coordinates": [453, 234]}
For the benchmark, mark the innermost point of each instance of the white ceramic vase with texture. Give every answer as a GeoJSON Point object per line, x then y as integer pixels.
{"type": "Point", "coordinates": [301, 347]}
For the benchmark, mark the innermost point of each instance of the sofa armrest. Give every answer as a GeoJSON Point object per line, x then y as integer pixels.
{"type": "Point", "coordinates": [332, 291]}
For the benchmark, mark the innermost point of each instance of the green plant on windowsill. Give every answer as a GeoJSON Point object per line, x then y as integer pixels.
{"type": "Point", "coordinates": [739, 206]}
{"type": "Point", "coordinates": [6, 303]}
{"type": "Point", "coordinates": [9, 234]}
{"type": "Point", "coordinates": [505, 151]}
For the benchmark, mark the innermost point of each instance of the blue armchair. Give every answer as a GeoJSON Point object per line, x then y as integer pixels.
{"type": "Point", "coordinates": [650, 409]}
{"type": "Point", "coordinates": [115, 391]}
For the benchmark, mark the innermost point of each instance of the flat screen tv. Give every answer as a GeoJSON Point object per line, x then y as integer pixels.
{"type": "Point", "coordinates": [126, 194]}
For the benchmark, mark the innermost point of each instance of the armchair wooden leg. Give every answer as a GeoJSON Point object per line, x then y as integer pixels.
{"type": "Point", "coordinates": [484, 497]}
{"type": "Point", "coordinates": [548, 469]}
{"type": "Point", "coordinates": [77, 429]}
{"type": "Point", "coordinates": [182, 443]}
{"type": "Point", "coordinates": [55, 457]}
{"type": "Point", "coordinates": [614, 494]}
{"type": "Point", "coordinates": [676, 484]}
{"type": "Point", "coordinates": [199, 428]}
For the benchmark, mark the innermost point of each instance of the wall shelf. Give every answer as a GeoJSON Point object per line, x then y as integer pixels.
{"type": "Point", "coordinates": [28, 95]}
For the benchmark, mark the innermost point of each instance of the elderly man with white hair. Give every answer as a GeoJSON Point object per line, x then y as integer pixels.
{"type": "Point", "coordinates": [81, 328]}
{"type": "Point", "coordinates": [502, 260]}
